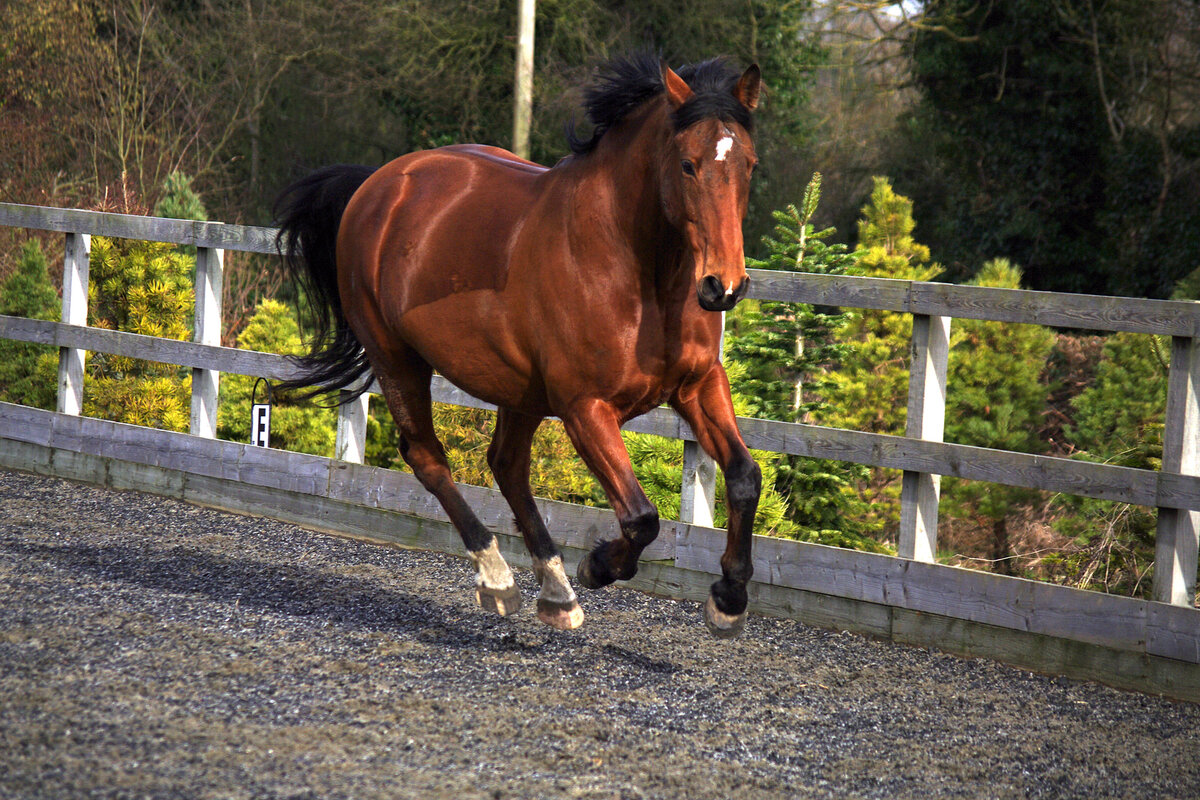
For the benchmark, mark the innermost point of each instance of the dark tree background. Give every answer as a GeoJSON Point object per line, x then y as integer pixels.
{"type": "Point", "coordinates": [1061, 134]}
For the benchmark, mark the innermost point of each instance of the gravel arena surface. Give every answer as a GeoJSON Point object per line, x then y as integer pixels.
{"type": "Point", "coordinates": [154, 649]}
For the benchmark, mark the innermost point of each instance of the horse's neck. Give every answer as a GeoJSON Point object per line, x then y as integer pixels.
{"type": "Point", "coordinates": [628, 160]}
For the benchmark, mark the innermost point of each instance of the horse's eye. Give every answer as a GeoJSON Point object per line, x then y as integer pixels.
{"type": "Point", "coordinates": [689, 168]}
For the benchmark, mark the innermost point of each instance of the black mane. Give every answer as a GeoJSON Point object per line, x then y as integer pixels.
{"type": "Point", "coordinates": [625, 82]}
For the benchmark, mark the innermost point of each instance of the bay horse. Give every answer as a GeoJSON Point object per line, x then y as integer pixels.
{"type": "Point", "coordinates": [590, 291]}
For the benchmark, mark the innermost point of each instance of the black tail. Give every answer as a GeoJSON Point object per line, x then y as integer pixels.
{"type": "Point", "coordinates": [309, 213]}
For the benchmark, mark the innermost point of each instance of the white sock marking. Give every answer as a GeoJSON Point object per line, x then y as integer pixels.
{"type": "Point", "coordinates": [555, 586]}
{"type": "Point", "coordinates": [491, 570]}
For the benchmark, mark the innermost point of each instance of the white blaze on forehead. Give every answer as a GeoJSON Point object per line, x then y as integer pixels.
{"type": "Point", "coordinates": [723, 147]}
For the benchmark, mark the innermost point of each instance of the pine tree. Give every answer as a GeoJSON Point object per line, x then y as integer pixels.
{"type": "Point", "coordinates": [787, 348]}
{"type": "Point", "coordinates": [179, 200]}
{"type": "Point", "coordinates": [28, 293]}
{"type": "Point", "coordinates": [869, 391]}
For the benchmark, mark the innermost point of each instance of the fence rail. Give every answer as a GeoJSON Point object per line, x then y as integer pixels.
{"type": "Point", "coordinates": [921, 453]}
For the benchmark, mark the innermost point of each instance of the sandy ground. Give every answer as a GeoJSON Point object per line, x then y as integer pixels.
{"type": "Point", "coordinates": [152, 649]}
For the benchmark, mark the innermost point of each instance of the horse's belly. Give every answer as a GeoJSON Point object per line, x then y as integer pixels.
{"type": "Point", "coordinates": [465, 339]}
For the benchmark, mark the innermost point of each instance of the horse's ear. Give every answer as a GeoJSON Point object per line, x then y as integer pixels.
{"type": "Point", "coordinates": [678, 92]}
{"type": "Point", "coordinates": [748, 87]}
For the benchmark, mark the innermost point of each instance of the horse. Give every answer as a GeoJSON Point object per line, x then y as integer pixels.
{"type": "Point", "coordinates": [590, 291]}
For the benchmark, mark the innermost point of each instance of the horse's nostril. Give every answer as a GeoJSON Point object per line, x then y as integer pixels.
{"type": "Point", "coordinates": [712, 287]}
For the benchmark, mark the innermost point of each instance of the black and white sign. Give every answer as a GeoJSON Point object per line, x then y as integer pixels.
{"type": "Point", "coordinates": [260, 416]}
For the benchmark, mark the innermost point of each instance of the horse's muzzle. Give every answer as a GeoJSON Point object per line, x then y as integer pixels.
{"type": "Point", "coordinates": [713, 295]}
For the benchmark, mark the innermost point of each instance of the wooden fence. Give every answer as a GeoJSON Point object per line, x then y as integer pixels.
{"type": "Point", "coordinates": [1124, 641]}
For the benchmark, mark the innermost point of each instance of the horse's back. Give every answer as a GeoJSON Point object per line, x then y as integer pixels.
{"type": "Point", "coordinates": [437, 222]}
{"type": "Point", "coordinates": [424, 253]}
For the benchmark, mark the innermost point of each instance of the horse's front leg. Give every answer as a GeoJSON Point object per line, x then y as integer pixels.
{"type": "Point", "coordinates": [707, 407]}
{"type": "Point", "coordinates": [594, 428]}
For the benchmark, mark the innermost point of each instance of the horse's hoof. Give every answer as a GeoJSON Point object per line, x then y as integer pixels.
{"type": "Point", "coordinates": [587, 575]}
{"type": "Point", "coordinates": [720, 624]}
{"type": "Point", "coordinates": [504, 602]}
{"type": "Point", "coordinates": [563, 616]}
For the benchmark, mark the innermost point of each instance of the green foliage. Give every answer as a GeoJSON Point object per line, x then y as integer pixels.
{"type": "Point", "coordinates": [871, 388]}
{"type": "Point", "coordinates": [302, 427]}
{"type": "Point", "coordinates": [179, 200]}
{"type": "Point", "coordinates": [1188, 287]}
{"type": "Point", "coordinates": [1119, 418]}
{"type": "Point", "coordinates": [995, 395]}
{"type": "Point", "coordinates": [145, 288]}
{"type": "Point", "coordinates": [27, 293]}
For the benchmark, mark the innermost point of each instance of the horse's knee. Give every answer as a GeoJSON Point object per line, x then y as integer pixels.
{"type": "Point", "coordinates": [743, 482]}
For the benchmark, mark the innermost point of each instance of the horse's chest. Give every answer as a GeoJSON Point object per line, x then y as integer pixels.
{"type": "Point", "coordinates": [659, 374]}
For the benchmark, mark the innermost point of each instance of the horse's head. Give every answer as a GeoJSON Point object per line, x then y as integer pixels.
{"type": "Point", "coordinates": [705, 182]}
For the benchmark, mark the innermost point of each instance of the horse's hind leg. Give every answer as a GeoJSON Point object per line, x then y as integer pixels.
{"type": "Point", "coordinates": [408, 398]}
{"type": "Point", "coordinates": [508, 456]}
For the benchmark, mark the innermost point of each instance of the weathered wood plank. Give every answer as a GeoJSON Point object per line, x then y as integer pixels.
{"type": "Point", "coordinates": [1049, 654]}
{"type": "Point", "coordinates": [830, 290]}
{"type": "Point", "coordinates": [1058, 309]}
{"type": "Point", "coordinates": [24, 424]}
{"type": "Point", "coordinates": [1054, 309]}
{"type": "Point", "coordinates": [82, 467]}
{"type": "Point", "coordinates": [1102, 481]}
{"type": "Point", "coordinates": [150, 348]}
{"type": "Point", "coordinates": [246, 238]}
{"type": "Point", "coordinates": [1173, 631]}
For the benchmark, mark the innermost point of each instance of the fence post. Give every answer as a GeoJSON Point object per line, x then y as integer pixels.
{"type": "Point", "coordinates": [926, 420]}
{"type": "Point", "coordinates": [1178, 535]}
{"type": "Point", "coordinates": [697, 501]}
{"type": "Point", "coordinates": [698, 494]}
{"type": "Point", "coordinates": [352, 429]}
{"type": "Point", "coordinates": [74, 312]}
{"type": "Point", "coordinates": [210, 263]}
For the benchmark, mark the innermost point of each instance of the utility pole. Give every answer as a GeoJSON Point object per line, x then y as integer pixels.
{"type": "Point", "coordinates": [523, 89]}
